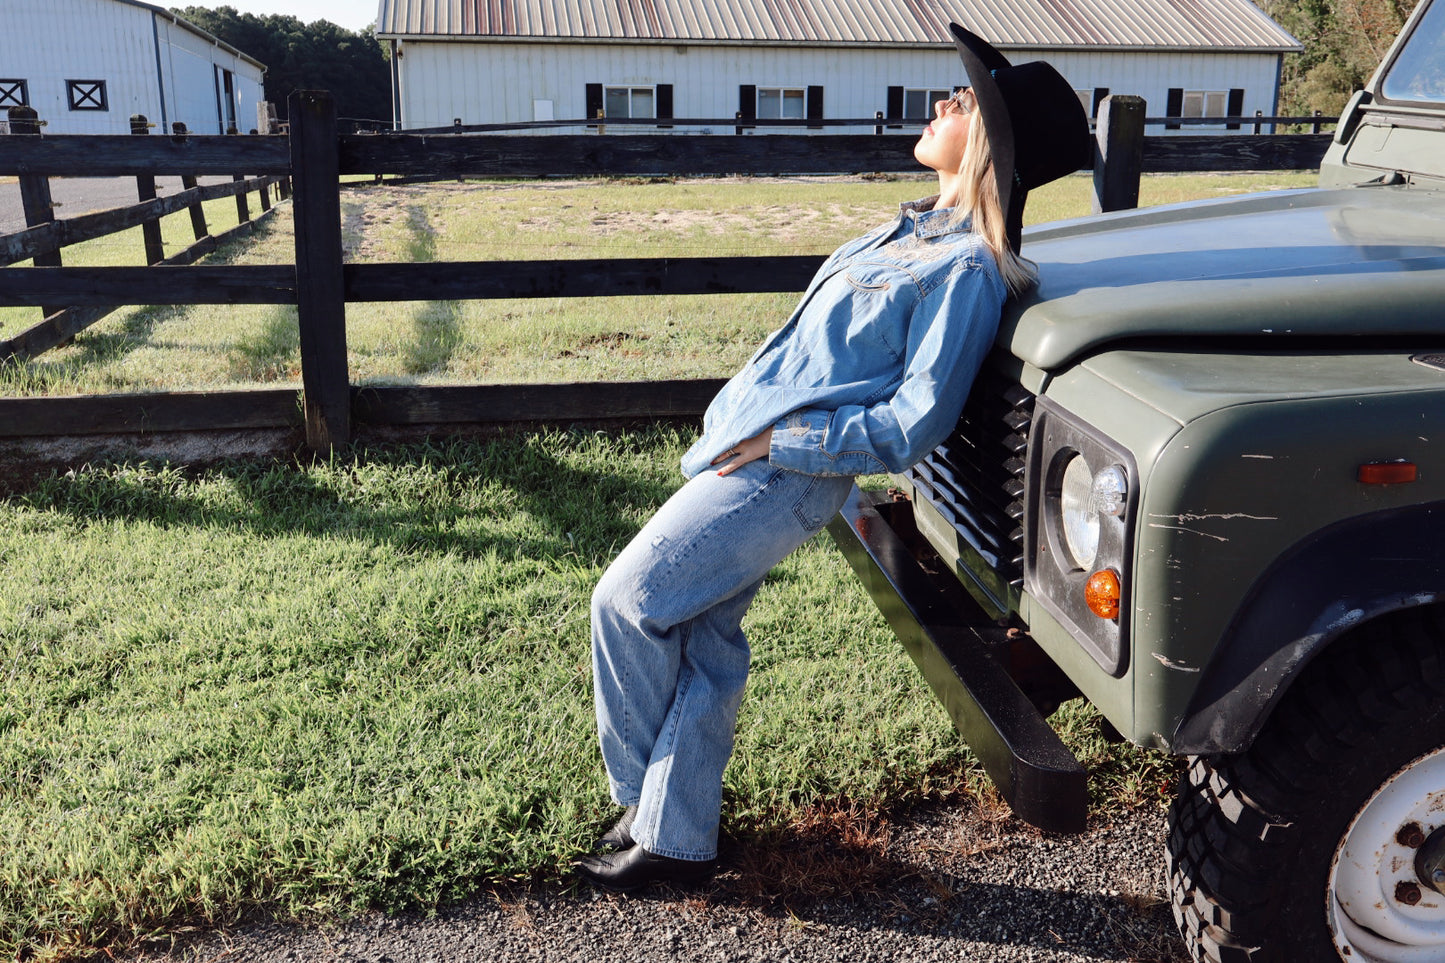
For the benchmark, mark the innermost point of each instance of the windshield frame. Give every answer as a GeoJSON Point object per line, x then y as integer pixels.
{"type": "Point", "coordinates": [1430, 13]}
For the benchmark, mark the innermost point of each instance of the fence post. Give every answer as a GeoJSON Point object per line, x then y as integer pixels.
{"type": "Point", "coordinates": [266, 117]}
{"type": "Point", "coordinates": [1118, 153]}
{"type": "Point", "coordinates": [35, 196]}
{"type": "Point", "coordinates": [243, 210]}
{"type": "Point", "coordinates": [145, 187]}
{"type": "Point", "coordinates": [188, 182]}
{"type": "Point", "coordinates": [877, 128]}
{"type": "Point", "coordinates": [320, 293]}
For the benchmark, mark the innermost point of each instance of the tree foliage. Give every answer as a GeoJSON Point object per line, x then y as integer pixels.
{"type": "Point", "coordinates": [301, 56]}
{"type": "Point", "coordinates": [1344, 41]}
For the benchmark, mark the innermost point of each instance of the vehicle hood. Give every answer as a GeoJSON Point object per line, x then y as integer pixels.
{"type": "Point", "coordinates": [1361, 262]}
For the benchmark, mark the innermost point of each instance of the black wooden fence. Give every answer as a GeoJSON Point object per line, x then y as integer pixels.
{"type": "Point", "coordinates": [314, 156]}
{"type": "Point", "coordinates": [45, 236]}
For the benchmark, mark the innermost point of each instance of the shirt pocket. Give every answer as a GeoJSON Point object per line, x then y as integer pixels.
{"type": "Point", "coordinates": [879, 306]}
{"type": "Point", "coordinates": [869, 278]}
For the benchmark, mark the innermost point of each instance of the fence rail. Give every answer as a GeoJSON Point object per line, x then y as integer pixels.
{"type": "Point", "coordinates": [64, 315]}
{"type": "Point", "coordinates": [1256, 122]}
{"type": "Point", "coordinates": [314, 156]}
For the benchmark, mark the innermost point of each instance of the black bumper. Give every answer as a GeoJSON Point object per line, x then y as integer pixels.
{"type": "Point", "coordinates": [945, 633]}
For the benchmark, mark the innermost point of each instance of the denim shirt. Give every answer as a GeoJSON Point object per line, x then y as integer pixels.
{"type": "Point", "coordinates": [870, 372]}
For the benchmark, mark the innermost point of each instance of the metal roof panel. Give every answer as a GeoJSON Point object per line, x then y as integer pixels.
{"type": "Point", "coordinates": [1036, 24]}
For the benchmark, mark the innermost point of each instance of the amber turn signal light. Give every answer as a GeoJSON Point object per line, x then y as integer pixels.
{"type": "Point", "coordinates": [1388, 472]}
{"type": "Point", "coordinates": [1101, 593]}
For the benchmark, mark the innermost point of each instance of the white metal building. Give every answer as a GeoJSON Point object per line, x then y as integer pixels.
{"type": "Point", "coordinates": [86, 66]}
{"type": "Point", "coordinates": [513, 61]}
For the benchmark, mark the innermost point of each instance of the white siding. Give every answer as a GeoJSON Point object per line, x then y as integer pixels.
{"type": "Point", "coordinates": [1150, 75]}
{"type": "Point", "coordinates": [484, 83]}
{"type": "Point", "coordinates": [190, 64]}
{"type": "Point", "coordinates": [48, 42]}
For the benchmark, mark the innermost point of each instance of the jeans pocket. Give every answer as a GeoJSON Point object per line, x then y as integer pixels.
{"type": "Point", "coordinates": [819, 501]}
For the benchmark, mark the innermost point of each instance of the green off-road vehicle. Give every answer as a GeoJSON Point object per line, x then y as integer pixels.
{"type": "Point", "coordinates": [1201, 482]}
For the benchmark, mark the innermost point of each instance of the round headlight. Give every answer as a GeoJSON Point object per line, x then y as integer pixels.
{"type": "Point", "coordinates": [1079, 517]}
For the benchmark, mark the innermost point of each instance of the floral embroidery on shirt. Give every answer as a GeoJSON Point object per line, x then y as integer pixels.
{"type": "Point", "coordinates": [916, 248]}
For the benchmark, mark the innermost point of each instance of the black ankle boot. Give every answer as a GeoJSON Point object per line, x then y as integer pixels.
{"type": "Point", "coordinates": [630, 869]}
{"type": "Point", "coordinates": [620, 835]}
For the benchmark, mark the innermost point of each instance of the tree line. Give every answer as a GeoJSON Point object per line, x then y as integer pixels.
{"type": "Point", "coordinates": [354, 66]}
{"type": "Point", "coordinates": [1344, 41]}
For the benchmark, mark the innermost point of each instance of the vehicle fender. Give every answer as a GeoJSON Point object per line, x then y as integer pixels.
{"type": "Point", "coordinates": [1325, 586]}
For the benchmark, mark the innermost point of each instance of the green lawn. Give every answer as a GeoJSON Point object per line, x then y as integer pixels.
{"type": "Point", "coordinates": [366, 683]}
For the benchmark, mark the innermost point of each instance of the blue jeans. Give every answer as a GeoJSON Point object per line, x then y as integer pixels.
{"type": "Point", "coordinates": [669, 658]}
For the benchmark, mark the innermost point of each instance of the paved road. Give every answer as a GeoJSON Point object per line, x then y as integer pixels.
{"type": "Point", "coordinates": [75, 196]}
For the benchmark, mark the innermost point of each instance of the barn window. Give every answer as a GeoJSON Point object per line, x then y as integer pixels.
{"type": "Point", "coordinates": [1205, 103]}
{"type": "Point", "coordinates": [918, 102]}
{"type": "Point", "coordinates": [86, 95]}
{"type": "Point", "coordinates": [629, 102]}
{"type": "Point", "coordinates": [782, 103]}
{"type": "Point", "coordinates": [14, 93]}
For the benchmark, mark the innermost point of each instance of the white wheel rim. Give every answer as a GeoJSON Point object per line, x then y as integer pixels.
{"type": "Point", "coordinates": [1372, 873]}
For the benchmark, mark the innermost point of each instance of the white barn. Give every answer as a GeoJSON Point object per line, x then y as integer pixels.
{"type": "Point", "coordinates": [86, 66]}
{"type": "Point", "coordinates": [517, 61]}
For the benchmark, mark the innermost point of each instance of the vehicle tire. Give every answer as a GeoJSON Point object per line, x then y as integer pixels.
{"type": "Point", "coordinates": [1311, 845]}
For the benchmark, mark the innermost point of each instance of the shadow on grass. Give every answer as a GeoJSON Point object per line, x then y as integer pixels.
{"type": "Point", "coordinates": [106, 341]}
{"type": "Point", "coordinates": [436, 333]}
{"type": "Point", "coordinates": [436, 325]}
{"type": "Point", "coordinates": [417, 498]}
{"type": "Point", "coordinates": [271, 354]}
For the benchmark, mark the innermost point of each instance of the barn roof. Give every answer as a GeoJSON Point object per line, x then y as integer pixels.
{"type": "Point", "coordinates": [1212, 25]}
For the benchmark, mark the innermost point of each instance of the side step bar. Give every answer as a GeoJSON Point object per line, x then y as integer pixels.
{"type": "Point", "coordinates": [943, 632]}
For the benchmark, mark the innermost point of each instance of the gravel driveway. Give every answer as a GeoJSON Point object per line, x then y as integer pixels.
{"type": "Point", "coordinates": [948, 884]}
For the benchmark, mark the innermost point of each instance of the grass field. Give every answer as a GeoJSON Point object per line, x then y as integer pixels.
{"type": "Point", "coordinates": [318, 688]}
{"type": "Point", "coordinates": [365, 683]}
{"type": "Point", "coordinates": [506, 341]}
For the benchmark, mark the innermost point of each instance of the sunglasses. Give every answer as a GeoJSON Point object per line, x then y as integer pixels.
{"type": "Point", "coordinates": [961, 102]}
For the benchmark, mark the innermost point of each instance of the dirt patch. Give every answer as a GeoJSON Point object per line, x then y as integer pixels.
{"type": "Point", "coordinates": [609, 342]}
{"type": "Point", "coordinates": [786, 222]}
{"type": "Point", "coordinates": [374, 216]}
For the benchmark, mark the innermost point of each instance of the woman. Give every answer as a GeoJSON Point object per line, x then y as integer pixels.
{"type": "Point", "coordinates": [868, 374]}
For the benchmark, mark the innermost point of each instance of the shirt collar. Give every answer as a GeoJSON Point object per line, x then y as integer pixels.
{"type": "Point", "coordinates": [930, 222]}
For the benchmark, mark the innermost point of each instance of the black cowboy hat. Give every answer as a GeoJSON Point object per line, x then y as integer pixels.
{"type": "Point", "coordinates": [1037, 128]}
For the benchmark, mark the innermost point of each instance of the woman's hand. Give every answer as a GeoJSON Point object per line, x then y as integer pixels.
{"type": "Point", "coordinates": [743, 452]}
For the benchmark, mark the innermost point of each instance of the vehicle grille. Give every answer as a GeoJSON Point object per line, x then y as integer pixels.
{"type": "Point", "coordinates": [976, 477]}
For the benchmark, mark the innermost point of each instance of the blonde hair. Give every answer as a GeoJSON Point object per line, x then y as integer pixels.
{"type": "Point", "coordinates": [976, 195]}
